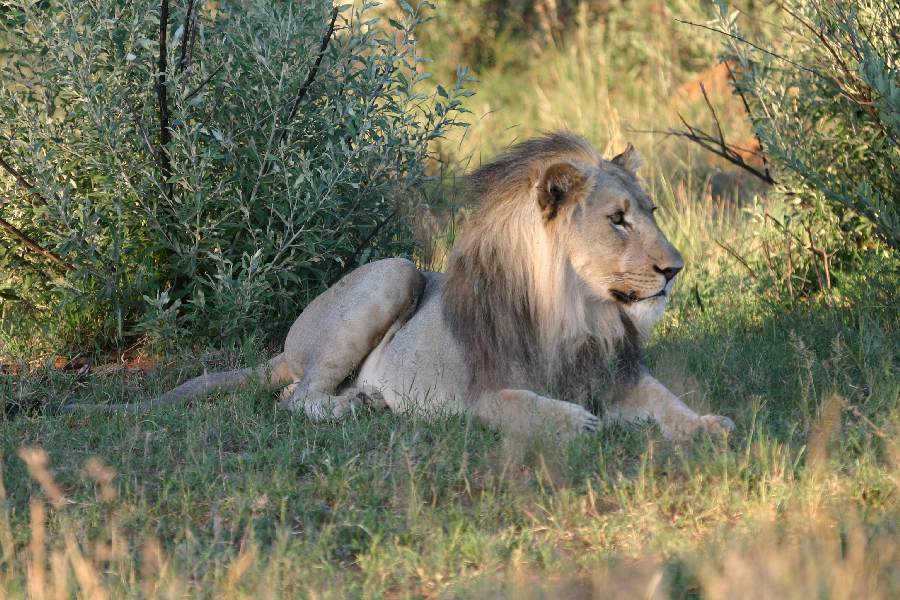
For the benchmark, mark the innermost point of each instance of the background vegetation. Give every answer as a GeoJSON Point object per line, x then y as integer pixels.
{"type": "Point", "coordinates": [204, 167]}
{"type": "Point", "coordinates": [785, 319]}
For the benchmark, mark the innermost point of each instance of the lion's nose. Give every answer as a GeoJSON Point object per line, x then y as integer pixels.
{"type": "Point", "coordinates": [668, 272]}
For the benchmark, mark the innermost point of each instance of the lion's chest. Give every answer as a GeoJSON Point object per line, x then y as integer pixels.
{"type": "Point", "coordinates": [591, 376]}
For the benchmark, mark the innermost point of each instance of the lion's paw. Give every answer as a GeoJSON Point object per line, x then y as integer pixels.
{"type": "Point", "coordinates": [579, 420]}
{"type": "Point", "coordinates": [321, 407]}
{"type": "Point", "coordinates": [716, 424]}
{"type": "Point", "coordinates": [684, 430]}
{"type": "Point", "coordinates": [329, 408]}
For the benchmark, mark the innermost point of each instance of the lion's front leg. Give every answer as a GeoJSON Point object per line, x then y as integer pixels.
{"type": "Point", "coordinates": [650, 399]}
{"type": "Point", "coordinates": [523, 412]}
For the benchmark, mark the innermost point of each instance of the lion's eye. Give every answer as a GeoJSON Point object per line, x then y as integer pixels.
{"type": "Point", "coordinates": [617, 218]}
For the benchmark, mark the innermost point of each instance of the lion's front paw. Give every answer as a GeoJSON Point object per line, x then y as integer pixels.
{"type": "Point", "coordinates": [717, 424]}
{"type": "Point", "coordinates": [577, 420]}
{"type": "Point", "coordinates": [683, 430]}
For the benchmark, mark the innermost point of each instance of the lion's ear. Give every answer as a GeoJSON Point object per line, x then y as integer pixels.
{"type": "Point", "coordinates": [630, 160]}
{"type": "Point", "coordinates": [561, 183]}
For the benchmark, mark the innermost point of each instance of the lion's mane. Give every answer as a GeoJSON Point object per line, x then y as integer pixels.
{"type": "Point", "coordinates": [511, 298]}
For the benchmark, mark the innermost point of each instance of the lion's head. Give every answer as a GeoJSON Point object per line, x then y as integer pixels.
{"type": "Point", "coordinates": [603, 219]}
{"type": "Point", "coordinates": [563, 255]}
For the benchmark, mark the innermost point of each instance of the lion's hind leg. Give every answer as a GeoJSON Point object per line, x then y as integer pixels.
{"type": "Point", "coordinates": [339, 329]}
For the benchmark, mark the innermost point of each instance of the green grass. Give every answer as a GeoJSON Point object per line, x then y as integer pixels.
{"type": "Point", "coordinates": [245, 499]}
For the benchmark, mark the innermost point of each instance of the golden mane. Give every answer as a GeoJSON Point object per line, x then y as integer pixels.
{"type": "Point", "coordinates": [511, 298]}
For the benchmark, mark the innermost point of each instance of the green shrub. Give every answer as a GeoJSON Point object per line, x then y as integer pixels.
{"type": "Point", "coordinates": [824, 98]}
{"type": "Point", "coordinates": [211, 188]}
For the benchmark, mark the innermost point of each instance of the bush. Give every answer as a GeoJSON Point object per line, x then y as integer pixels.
{"type": "Point", "coordinates": [213, 185]}
{"type": "Point", "coordinates": [825, 105]}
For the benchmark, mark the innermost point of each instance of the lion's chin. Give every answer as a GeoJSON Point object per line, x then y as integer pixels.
{"type": "Point", "coordinates": [634, 297]}
{"type": "Point", "coordinates": [645, 313]}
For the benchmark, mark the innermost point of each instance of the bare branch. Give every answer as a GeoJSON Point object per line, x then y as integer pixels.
{"type": "Point", "coordinates": [820, 253]}
{"type": "Point", "coordinates": [740, 93]}
{"type": "Point", "coordinates": [34, 246]}
{"type": "Point", "coordinates": [717, 144]}
{"type": "Point", "coordinates": [727, 151]}
{"type": "Point", "coordinates": [144, 136]}
{"type": "Point", "coordinates": [301, 94]}
{"type": "Point", "coordinates": [740, 259]}
{"type": "Point", "coordinates": [714, 115]}
{"type": "Point", "coordinates": [698, 300]}
{"type": "Point", "coordinates": [824, 40]}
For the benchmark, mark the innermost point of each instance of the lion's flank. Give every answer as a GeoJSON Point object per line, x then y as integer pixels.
{"type": "Point", "coordinates": [511, 298]}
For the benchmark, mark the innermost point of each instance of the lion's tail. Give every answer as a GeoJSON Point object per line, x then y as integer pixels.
{"type": "Point", "coordinates": [275, 372]}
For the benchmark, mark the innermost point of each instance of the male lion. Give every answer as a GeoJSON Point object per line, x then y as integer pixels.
{"type": "Point", "coordinates": [558, 276]}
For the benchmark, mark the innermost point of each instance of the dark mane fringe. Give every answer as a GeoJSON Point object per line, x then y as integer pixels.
{"type": "Point", "coordinates": [514, 170]}
{"type": "Point", "coordinates": [494, 325]}
{"type": "Point", "coordinates": [490, 292]}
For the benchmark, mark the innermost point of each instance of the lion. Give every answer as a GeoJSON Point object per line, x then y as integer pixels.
{"type": "Point", "coordinates": [535, 327]}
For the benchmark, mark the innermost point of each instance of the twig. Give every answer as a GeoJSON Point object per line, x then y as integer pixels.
{"type": "Point", "coordinates": [146, 138]}
{"type": "Point", "coordinates": [860, 93]}
{"type": "Point", "coordinates": [760, 48]}
{"type": "Point", "coordinates": [304, 88]}
{"type": "Point", "coordinates": [820, 252]}
{"type": "Point", "coordinates": [165, 135]}
{"type": "Point", "coordinates": [311, 76]}
{"type": "Point", "coordinates": [784, 228]}
{"type": "Point", "coordinates": [740, 93]}
{"type": "Point", "coordinates": [816, 251]}
{"type": "Point", "coordinates": [724, 150]}
{"type": "Point", "coordinates": [826, 43]}
{"type": "Point", "coordinates": [864, 103]}
{"type": "Point", "coordinates": [206, 80]}
{"type": "Point", "coordinates": [734, 253]}
{"type": "Point", "coordinates": [715, 116]}
{"type": "Point", "coordinates": [29, 187]}
{"type": "Point", "coordinates": [190, 54]}
{"type": "Point", "coordinates": [770, 266]}
{"type": "Point", "coordinates": [34, 246]}
{"type": "Point", "coordinates": [716, 144]}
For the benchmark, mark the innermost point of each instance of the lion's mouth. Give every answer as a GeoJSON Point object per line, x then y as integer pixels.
{"type": "Point", "coordinates": [632, 297]}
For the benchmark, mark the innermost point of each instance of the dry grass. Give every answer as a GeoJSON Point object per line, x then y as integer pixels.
{"type": "Point", "coordinates": [796, 535]}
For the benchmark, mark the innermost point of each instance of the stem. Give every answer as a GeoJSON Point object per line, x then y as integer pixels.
{"type": "Point", "coordinates": [35, 195]}
{"type": "Point", "coordinates": [34, 246]}
{"type": "Point", "coordinates": [165, 134]}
